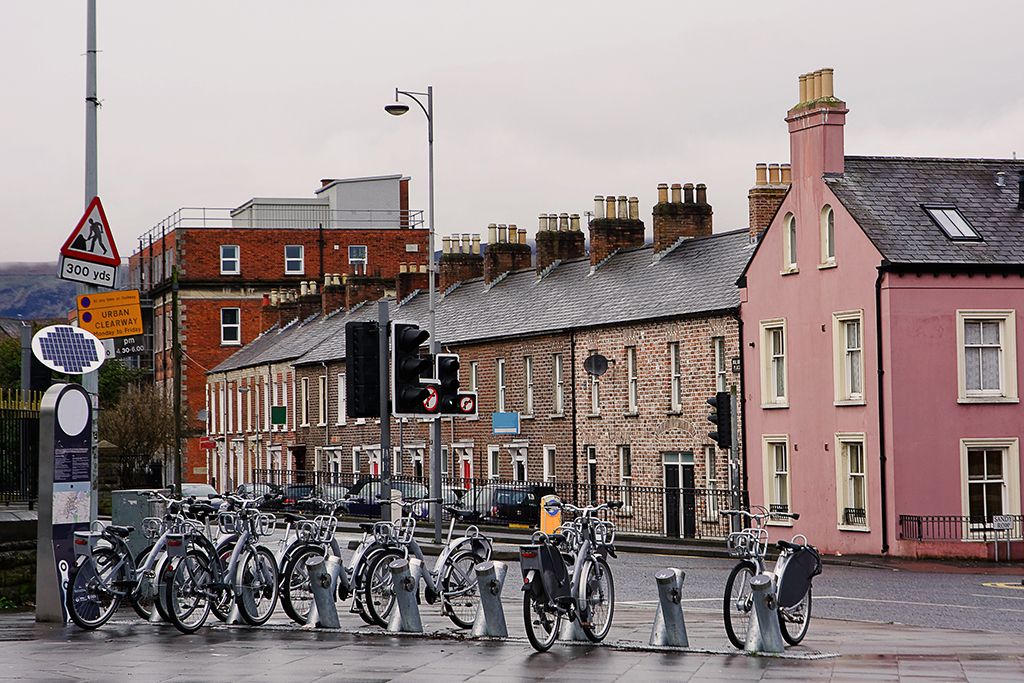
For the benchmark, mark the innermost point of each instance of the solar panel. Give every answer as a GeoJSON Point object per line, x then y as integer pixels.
{"type": "Point", "coordinates": [68, 349]}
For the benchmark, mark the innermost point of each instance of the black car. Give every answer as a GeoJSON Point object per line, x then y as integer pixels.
{"type": "Point", "coordinates": [272, 497]}
{"type": "Point", "coordinates": [365, 494]}
{"type": "Point", "coordinates": [517, 504]}
{"type": "Point", "coordinates": [291, 494]}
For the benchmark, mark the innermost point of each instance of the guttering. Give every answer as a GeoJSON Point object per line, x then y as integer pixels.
{"type": "Point", "coordinates": [882, 268]}
{"type": "Point", "coordinates": [742, 402]}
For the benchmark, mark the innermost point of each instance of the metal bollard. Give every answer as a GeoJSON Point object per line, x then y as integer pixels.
{"type": "Point", "coordinates": [763, 631]}
{"type": "Point", "coordinates": [669, 625]}
{"type": "Point", "coordinates": [323, 582]}
{"type": "Point", "coordinates": [405, 578]}
{"type": "Point", "coordinates": [490, 617]}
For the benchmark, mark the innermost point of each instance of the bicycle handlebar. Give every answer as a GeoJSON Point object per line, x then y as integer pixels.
{"type": "Point", "coordinates": [587, 509]}
{"type": "Point", "coordinates": [760, 515]}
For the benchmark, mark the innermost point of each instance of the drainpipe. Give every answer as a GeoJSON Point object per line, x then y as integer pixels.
{"type": "Point", "coordinates": [881, 406]}
{"type": "Point", "coordinates": [742, 406]}
{"type": "Point", "coordinates": [327, 416]}
{"type": "Point", "coordinates": [575, 449]}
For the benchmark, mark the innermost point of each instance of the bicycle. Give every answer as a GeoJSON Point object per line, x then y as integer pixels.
{"type": "Point", "coordinates": [797, 564]}
{"type": "Point", "coordinates": [103, 575]}
{"type": "Point", "coordinates": [313, 538]}
{"type": "Point", "coordinates": [554, 589]}
{"type": "Point", "coordinates": [452, 578]}
{"type": "Point", "coordinates": [199, 578]}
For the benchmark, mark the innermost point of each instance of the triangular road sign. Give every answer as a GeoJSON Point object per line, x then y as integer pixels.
{"type": "Point", "coordinates": [91, 241]}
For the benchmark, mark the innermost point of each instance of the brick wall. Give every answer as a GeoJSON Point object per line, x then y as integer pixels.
{"type": "Point", "coordinates": [554, 245]}
{"type": "Point", "coordinates": [609, 234]}
{"type": "Point", "coordinates": [687, 218]}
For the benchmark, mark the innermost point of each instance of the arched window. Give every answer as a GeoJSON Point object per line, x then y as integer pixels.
{"type": "Point", "coordinates": [789, 250]}
{"type": "Point", "coordinates": [828, 236]}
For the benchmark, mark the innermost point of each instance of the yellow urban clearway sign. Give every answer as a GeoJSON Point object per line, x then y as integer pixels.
{"type": "Point", "coordinates": [110, 314]}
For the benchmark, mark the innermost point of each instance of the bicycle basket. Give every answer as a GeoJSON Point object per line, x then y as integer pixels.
{"type": "Point", "coordinates": [152, 527]}
{"type": "Point", "coordinates": [229, 523]}
{"type": "Point", "coordinates": [404, 529]}
{"type": "Point", "coordinates": [324, 527]}
{"type": "Point", "coordinates": [604, 533]}
{"type": "Point", "coordinates": [384, 533]}
{"type": "Point", "coordinates": [802, 566]}
{"type": "Point", "coordinates": [265, 524]}
{"type": "Point", "coordinates": [747, 544]}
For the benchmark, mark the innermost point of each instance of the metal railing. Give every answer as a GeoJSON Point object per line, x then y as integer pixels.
{"type": "Point", "coordinates": [854, 517]}
{"type": "Point", "coordinates": [956, 528]}
{"type": "Point", "coordinates": [653, 510]}
{"type": "Point", "coordinates": [19, 449]}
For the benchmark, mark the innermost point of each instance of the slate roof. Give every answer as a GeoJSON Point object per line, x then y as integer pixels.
{"type": "Point", "coordinates": [885, 195]}
{"type": "Point", "coordinates": [697, 277]}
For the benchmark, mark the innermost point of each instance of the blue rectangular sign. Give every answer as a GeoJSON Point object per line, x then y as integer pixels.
{"type": "Point", "coordinates": [505, 423]}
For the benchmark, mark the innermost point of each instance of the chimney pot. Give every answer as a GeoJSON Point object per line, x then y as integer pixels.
{"type": "Point", "coordinates": [623, 211]}
{"type": "Point", "coordinates": [303, 288]}
{"type": "Point", "coordinates": [423, 268]}
{"type": "Point", "coordinates": [502, 232]}
{"type": "Point", "coordinates": [563, 222]}
{"type": "Point", "coordinates": [1001, 179]}
{"type": "Point", "coordinates": [465, 242]}
{"type": "Point", "coordinates": [634, 208]}
{"type": "Point", "coordinates": [312, 287]}
{"type": "Point", "coordinates": [826, 82]}
{"type": "Point", "coordinates": [609, 205]}
{"type": "Point", "coordinates": [817, 84]}
{"type": "Point", "coordinates": [476, 244]}
{"type": "Point", "coordinates": [677, 193]}
{"type": "Point", "coordinates": [787, 174]}
{"type": "Point", "coordinates": [446, 245]}
{"type": "Point", "coordinates": [522, 235]}
{"type": "Point", "coordinates": [598, 206]}
{"type": "Point", "coordinates": [803, 88]}
{"type": "Point", "coordinates": [761, 174]}
{"type": "Point", "coordinates": [688, 193]}
{"type": "Point", "coordinates": [702, 193]}
{"type": "Point", "coordinates": [574, 222]}
{"type": "Point", "coordinates": [773, 175]}
{"type": "Point", "coordinates": [542, 222]}
{"type": "Point", "coordinates": [662, 193]}
{"type": "Point", "coordinates": [552, 222]}
{"type": "Point", "coordinates": [403, 267]}
{"type": "Point", "coordinates": [492, 233]}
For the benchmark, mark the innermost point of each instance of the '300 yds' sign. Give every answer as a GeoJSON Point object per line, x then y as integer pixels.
{"type": "Point", "coordinates": [87, 273]}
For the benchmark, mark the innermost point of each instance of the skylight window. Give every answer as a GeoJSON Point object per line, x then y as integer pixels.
{"type": "Point", "coordinates": [952, 223]}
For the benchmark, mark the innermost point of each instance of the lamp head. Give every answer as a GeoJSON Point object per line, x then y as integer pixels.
{"type": "Point", "coordinates": [396, 108]}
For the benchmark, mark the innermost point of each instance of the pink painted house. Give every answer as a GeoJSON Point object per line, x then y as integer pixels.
{"type": "Point", "coordinates": [880, 309]}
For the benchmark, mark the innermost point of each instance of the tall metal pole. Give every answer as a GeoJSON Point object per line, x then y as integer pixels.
{"type": "Point", "coordinates": [385, 411]}
{"type": "Point", "coordinates": [179, 473]}
{"type": "Point", "coordinates": [435, 345]}
{"type": "Point", "coordinates": [90, 381]}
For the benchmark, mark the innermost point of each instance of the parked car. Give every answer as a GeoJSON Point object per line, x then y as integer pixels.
{"type": "Point", "coordinates": [197, 490]}
{"type": "Point", "coordinates": [291, 494]}
{"type": "Point", "coordinates": [368, 491]}
{"type": "Point", "coordinates": [334, 492]}
{"type": "Point", "coordinates": [272, 495]}
{"type": "Point", "coordinates": [508, 503]}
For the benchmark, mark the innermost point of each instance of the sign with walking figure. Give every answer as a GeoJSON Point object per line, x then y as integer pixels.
{"type": "Point", "coordinates": [90, 255]}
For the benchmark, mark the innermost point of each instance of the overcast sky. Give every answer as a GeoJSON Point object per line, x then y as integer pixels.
{"type": "Point", "coordinates": [538, 106]}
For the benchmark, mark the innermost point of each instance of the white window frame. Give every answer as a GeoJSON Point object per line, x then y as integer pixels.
{"type": "Point", "coordinates": [775, 490]}
{"type": "Point", "coordinates": [226, 327]}
{"type": "Point", "coordinates": [1011, 475]}
{"type": "Point", "coordinates": [594, 391]}
{"type": "Point", "coordinates": [828, 237]}
{"type": "Point", "coordinates": [493, 461]}
{"type": "Point", "coordinates": [633, 377]}
{"type": "Point", "coordinates": [711, 482]}
{"type": "Point", "coordinates": [557, 386]}
{"type": "Point", "coordinates": [1007, 391]}
{"type": "Point", "coordinates": [295, 265]}
{"type": "Point", "coordinates": [721, 369]}
{"type": "Point", "coordinates": [773, 365]}
{"type": "Point", "coordinates": [304, 402]}
{"type": "Point", "coordinates": [356, 260]}
{"type": "Point", "coordinates": [230, 260]}
{"type": "Point", "coordinates": [789, 245]}
{"type": "Point", "coordinates": [342, 400]}
{"type": "Point", "coordinates": [625, 453]}
{"type": "Point", "coordinates": [847, 361]}
{"type": "Point", "coordinates": [355, 459]}
{"type": "Point", "coordinates": [549, 463]}
{"type": "Point", "coordinates": [322, 401]}
{"type": "Point", "coordinates": [474, 367]}
{"type": "Point", "coordinates": [396, 460]}
{"type": "Point", "coordinates": [675, 361]}
{"type": "Point", "coordinates": [518, 456]}
{"type": "Point", "coordinates": [846, 479]}
{"type": "Point", "coordinates": [501, 379]}
{"type": "Point", "coordinates": [527, 386]}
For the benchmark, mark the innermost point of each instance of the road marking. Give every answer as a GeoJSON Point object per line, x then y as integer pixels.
{"type": "Point", "coordinates": [917, 604]}
{"type": "Point", "coordinates": [1014, 586]}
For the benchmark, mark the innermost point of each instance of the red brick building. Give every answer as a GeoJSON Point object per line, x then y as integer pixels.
{"type": "Point", "coordinates": [228, 261]}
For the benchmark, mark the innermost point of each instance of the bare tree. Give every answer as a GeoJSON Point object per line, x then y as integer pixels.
{"type": "Point", "coordinates": [140, 425]}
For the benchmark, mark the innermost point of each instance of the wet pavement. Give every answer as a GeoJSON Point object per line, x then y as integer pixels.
{"type": "Point", "coordinates": [127, 649]}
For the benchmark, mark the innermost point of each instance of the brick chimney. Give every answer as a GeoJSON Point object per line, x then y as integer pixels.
{"type": "Point", "coordinates": [268, 312]}
{"type": "Point", "coordinates": [360, 288]}
{"type": "Point", "coordinates": [309, 300]}
{"type": "Point", "coordinates": [287, 306]}
{"type": "Point", "coordinates": [411, 276]}
{"type": "Point", "coordinates": [460, 260]}
{"type": "Point", "coordinates": [507, 251]}
{"type": "Point", "coordinates": [332, 294]}
{"type": "Point", "coordinates": [771, 184]}
{"type": "Point", "coordinates": [816, 127]}
{"type": "Point", "coordinates": [677, 218]}
{"type": "Point", "coordinates": [616, 225]}
{"type": "Point", "coordinates": [559, 238]}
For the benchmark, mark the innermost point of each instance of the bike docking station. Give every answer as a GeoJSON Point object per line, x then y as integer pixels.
{"type": "Point", "coordinates": [490, 616]}
{"type": "Point", "coordinates": [669, 626]}
{"type": "Point", "coordinates": [323, 582]}
{"type": "Point", "coordinates": [763, 631]}
{"type": "Point", "coordinates": [405, 576]}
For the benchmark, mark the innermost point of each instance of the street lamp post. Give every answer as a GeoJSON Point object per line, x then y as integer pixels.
{"type": "Point", "coordinates": [397, 109]}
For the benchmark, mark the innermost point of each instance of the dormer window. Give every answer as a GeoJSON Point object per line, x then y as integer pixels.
{"type": "Point", "coordinates": [952, 223]}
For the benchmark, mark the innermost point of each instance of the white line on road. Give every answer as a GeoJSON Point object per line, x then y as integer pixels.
{"type": "Point", "coordinates": [917, 604]}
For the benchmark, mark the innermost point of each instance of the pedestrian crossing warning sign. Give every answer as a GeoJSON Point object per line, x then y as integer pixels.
{"type": "Point", "coordinates": [91, 241]}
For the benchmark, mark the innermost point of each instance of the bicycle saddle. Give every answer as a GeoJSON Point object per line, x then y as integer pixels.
{"type": "Point", "coordinates": [121, 531]}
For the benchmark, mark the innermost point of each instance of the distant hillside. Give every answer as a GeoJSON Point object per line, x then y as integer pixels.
{"type": "Point", "coordinates": [32, 291]}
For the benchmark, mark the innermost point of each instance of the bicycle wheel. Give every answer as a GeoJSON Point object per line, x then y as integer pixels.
{"type": "Point", "coordinates": [738, 602]}
{"type": "Point", "coordinates": [90, 598]}
{"type": "Point", "coordinates": [145, 594]}
{"type": "Point", "coordinates": [224, 599]}
{"type": "Point", "coordinates": [296, 593]}
{"type": "Point", "coordinates": [542, 622]}
{"type": "Point", "coordinates": [378, 587]}
{"type": "Point", "coordinates": [795, 620]}
{"type": "Point", "coordinates": [459, 594]}
{"type": "Point", "coordinates": [187, 593]}
{"type": "Point", "coordinates": [597, 599]}
{"type": "Point", "coordinates": [257, 587]}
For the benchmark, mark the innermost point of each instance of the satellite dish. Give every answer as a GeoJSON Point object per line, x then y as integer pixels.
{"type": "Point", "coordinates": [596, 365]}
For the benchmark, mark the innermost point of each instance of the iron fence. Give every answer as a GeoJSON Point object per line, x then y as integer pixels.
{"type": "Point", "coordinates": [648, 510]}
{"type": "Point", "coordinates": [19, 452]}
{"type": "Point", "coordinates": [957, 528]}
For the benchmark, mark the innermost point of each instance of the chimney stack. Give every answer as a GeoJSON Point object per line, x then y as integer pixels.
{"type": "Point", "coordinates": [332, 294]}
{"type": "Point", "coordinates": [465, 264]}
{"type": "Point", "coordinates": [507, 254]}
{"type": "Point", "coordinates": [771, 183]}
{"type": "Point", "coordinates": [816, 127]}
{"type": "Point", "coordinates": [559, 240]}
{"type": "Point", "coordinates": [688, 218]}
{"type": "Point", "coordinates": [613, 229]}
{"type": "Point", "coordinates": [360, 288]}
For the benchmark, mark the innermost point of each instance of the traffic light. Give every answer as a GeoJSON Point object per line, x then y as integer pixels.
{"type": "Point", "coordinates": [362, 369]}
{"type": "Point", "coordinates": [410, 396]}
{"type": "Point", "coordinates": [450, 400]}
{"type": "Point", "coordinates": [722, 418]}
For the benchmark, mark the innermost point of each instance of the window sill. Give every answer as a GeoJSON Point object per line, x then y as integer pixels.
{"type": "Point", "coordinates": [858, 402]}
{"type": "Point", "coordinates": [631, 414]}
{"type": "Point", "coordinates": [987, 399]}
{"type": "Point", "coordinates": [826, 266]}
{"type": "Point", "coordinates": [556, 416]}
{"type": "Point", "coordinates": [787, 522]}
{"type": "Point", "coordinates": [791, 271]}
{"type": "Point", "coordinates": [862, 529]}
{"type": "Point", "coordinates": [224, 343]}
{"type": "Point", "coordinates": [234, 272]}
{"type": "Point", "coordinates": [473, 419]}
{"type": "Point", "coordinates": [774, 406]}
{"type": "Point", "coordinates": [594, 416]}
{"type": "Point", "coordinates": [526, 416]}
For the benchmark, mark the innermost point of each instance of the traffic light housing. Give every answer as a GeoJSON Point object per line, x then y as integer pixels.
{"type": "Point", "coordinates": [451, 401]}
{"type": "Point", "coordinates": [722, 418]}
{"type": "Point", "coordinates": [362, 369]}
{"type": "Point", "coordinates": [410, 395]}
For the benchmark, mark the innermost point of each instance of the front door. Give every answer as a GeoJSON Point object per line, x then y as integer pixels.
{"type": "Point", "coordinates": [680, 498]}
